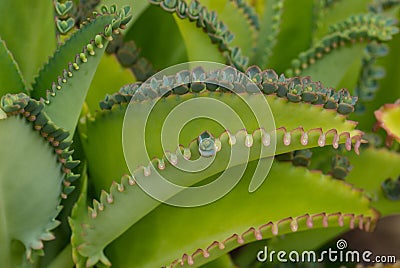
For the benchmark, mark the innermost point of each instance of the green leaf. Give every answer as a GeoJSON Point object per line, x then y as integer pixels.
{"type": "Point", "coordinates": [11, 80]}
{"type": "Point", "coordinates": [332, 70]}
{"type": "Point", "coordinates": [47, 165]}
{"type": "Point", "coordinates": [75, 63]}
{"type": "Point", "coordinates": [389, 85]}
{"type": "Point", "coordinates": [297, 19]}
{"type": "Point", "coordinates": [333, 56]}
{"type": "Point", "coordinates": [216, 30]}
{"type": "Point", "coordinates": [224, 261]}
{"type": "Point", "coordinates": [78, 210]}
{"type": "Point", "coordinates": [109, 76]}
{"type": "Point", "coordinates": [198, 44]}
{"type": "Point", "coordinates": [63, 259]}
{"type": "Point", "coordinates": [388, 117]}
{"type": "Point", "coordinates": [338, 11]}
{"type": "Point", "coordinates": [240, 217]}
{"type": "Point", "coordinates": [269, 29]}
{"type": "Point", "coordinates": [370, 169]}
{"type": "Point", "coordinates": [236, 22]}
{"type": "Point", "coordinates": [104, 133]}
{"type": "Point", "coordinates": [249, 12]}
{"type": "Point", "coordinates": [27, 214]}
{"type": "Point", "coordinates": [29, 33]}
{"type": "Point", "coordinates": [66, 54]}
{"type": "Point", "coordinates": [162, 27]}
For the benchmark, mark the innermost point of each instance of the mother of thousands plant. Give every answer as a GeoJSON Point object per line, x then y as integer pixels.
{"type": "Point", "coordinates": [72, 72]}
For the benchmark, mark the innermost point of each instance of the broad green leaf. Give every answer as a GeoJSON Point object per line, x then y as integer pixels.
{"type": "Point", "coordinates": [388, 117]}
{"type": "Point", "coordinates": [161, 54]}
{"type": "Point", "coordinates": [294, 33]}
{"type": "Point", "coordinates": [109, 76]}
{"type": "Point", "coordinates": [333, 56]}
{"type": "Point", "coordinates": [109, 124]}
{"type": "Point", "coordinates": [27, 214]}
{"type": "Point", "coordinates": [389, 86]}
{"type": "Point", "coordinates": [215, 29]}
{"type": "Point", "coordinates": [224, 261]}
{"type": "Point", "coordinates": [232, 218]}
{"type": "Point", "coordinates": [63, 259]}
{"type": "Point", "coordinates": [370, 169]}
{"type": "Point", "coordinates": [78, 210]}
{"type": "Point", "coordinates": [269, 29]}
{"type": "Point", "coordinates": [339, 10]}
{"type": "Point", "coordinates": [29, 32]}
{"type": "Point", "coordinates": [198, 45]}
{"type": "Point", "coordinates": [11, 80]}
{"type": "Point", "coordinates": [71, 71]}
{"type": "Point", "coordinates": [235, 21]}
{"type": "Point", "coordinates": [66, 54]}
{"type": "Point", "coordinates": [333, 67]}
{"type": "Point", "coordinates": [104, 134]}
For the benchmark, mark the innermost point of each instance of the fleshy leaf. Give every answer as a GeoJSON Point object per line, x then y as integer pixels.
{"type": "Point", "coordinates": [28, 33]}
{"type": "Point", "coordinates": [11, 80]}
{"type": "Point", "coordinates": [269, 30]}
{"type": "Point", "coordinates": [332, 12]}
{"type": "Point", "coordinates": [215, 28]}
{"type": "Point", "coordinates": [389, 83]}
{"type": "Point", "coordinates": [370, 178]}
{"type": "Point", "coordinates": [343, 45]}
{"type": "Point", "coordinates": [291, 29]}
{"type": "Point", "coordinates": [313, 132]}
{"type": "Point", "coordinates": [241, 219]}
{"type": "Point", "coordinates": [300, 132]}
{"type": "Point", "coordinates": [68, 75]}
{"type": "Point", "coordinates": [104, 80]}
{"type": "Point", "coordinates": [249, 13]}
{"type": "Point", "coordinates": [28, 134]}
{"type": "Point", "coordinates": [388, 117]}
{"type": "Point", "coordinates": [163, 27]}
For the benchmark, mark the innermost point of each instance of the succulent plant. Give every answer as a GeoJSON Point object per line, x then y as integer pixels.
{"type": "Point", "coordinates": [312, 85]}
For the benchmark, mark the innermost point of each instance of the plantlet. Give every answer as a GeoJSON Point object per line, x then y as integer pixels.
{"type": "Point", "coordinates": [92, 140]}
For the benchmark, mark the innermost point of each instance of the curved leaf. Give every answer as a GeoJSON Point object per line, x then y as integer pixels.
{"type": "Point", "coordinates": [328, 128]}
{"type": "Point", "coordinates": [342, 48]}
{"type": "Point", "coordinates": [241, 217]}
{"type": "Point", "coordinates": [388, 117]}
{"type": "Point", "coordinates": [109, 75]}
{"type": "Point", "coordinates": [389, 85]}
{"type": "Point", "coordinates": [296, 24]}
{"type": "Point", "coordinates": [11, 80]}
{"type": "Point", "coordinates": [67, 76]}
{"type": "Point", "coordinates": [236, 21]}
{"type": "Point", "coordinates": [269, 29]}
{"type": "Point", "coordinates": [249, 13]}
{"type": "Point", "coordinates": [29, 33]}
{"type": "Point", "coordinates": [104, 133]}
{"type": "Point", "coordinates": [337, 11]}
{"type": "Point", "coordinates": [370, 177]}
{"type": "Point", "coordinates": [28, 215]}
{"type": "Point", "coordinates": [216, 29]}
{"type": "Point", "coordinates": [162, 27]}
